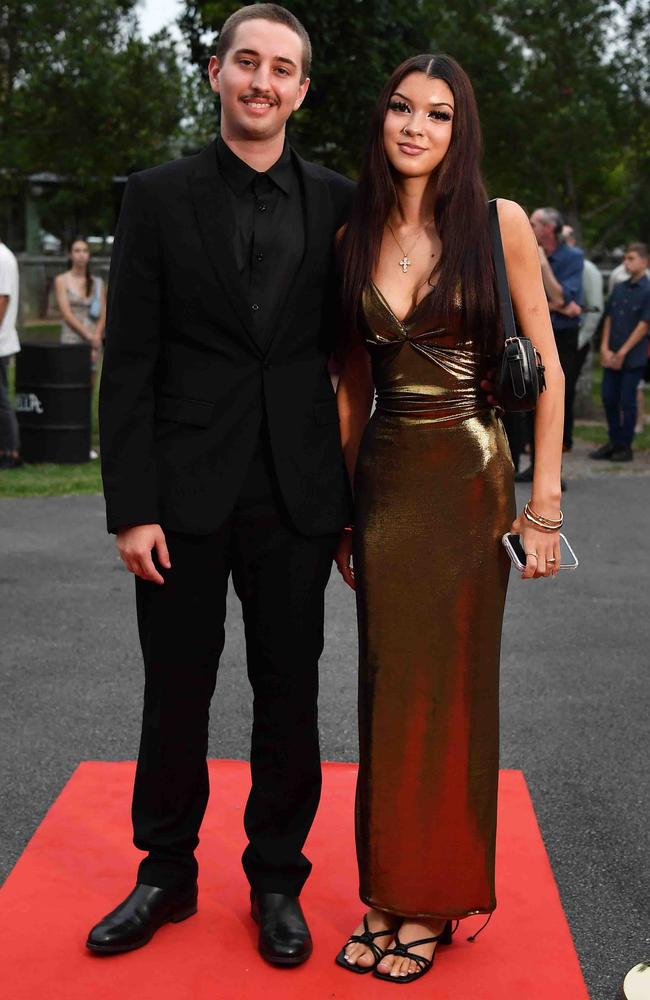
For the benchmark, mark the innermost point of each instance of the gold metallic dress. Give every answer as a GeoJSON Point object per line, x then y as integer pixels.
{"type": "Point", "coordinates": [433, 494]}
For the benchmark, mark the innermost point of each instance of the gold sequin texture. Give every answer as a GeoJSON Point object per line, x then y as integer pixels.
{"type": "Point", "coordinates": [433, 496]}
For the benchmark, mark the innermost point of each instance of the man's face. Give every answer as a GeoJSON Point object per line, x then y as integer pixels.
{"type": "Point", "coordinates": [634, 263]}
{"type": "Point", "coordinates": [259, 80]}
{"type": "Point", "coordinates": [569, 236]}
{"type": "Point", "coordinates": [543, 230]}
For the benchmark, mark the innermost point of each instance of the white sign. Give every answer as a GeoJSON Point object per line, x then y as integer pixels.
{"type": "Point", "coordinates": [28, 402]}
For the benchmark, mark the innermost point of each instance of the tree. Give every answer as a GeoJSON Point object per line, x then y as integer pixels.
{"type": "Point", "coordinates": [83, 96]}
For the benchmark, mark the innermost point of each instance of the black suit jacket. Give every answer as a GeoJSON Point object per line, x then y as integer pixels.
{"type": "Point", "coordinates": [185, 386]}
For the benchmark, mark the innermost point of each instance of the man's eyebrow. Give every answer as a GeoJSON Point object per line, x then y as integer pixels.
{"type": "Point", "coordinates": [253, 52]}
{"type": "Point", "coordinates": [435, 104]}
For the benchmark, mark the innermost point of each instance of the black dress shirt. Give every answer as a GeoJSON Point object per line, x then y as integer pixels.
{"type": "Point", "coordinates": [268, 231]}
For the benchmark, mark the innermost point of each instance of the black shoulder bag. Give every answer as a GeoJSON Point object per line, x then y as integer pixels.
{"type": "Point", "coordinates": [520, 375]}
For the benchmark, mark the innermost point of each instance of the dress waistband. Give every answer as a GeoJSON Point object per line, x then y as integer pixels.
{"type": "Point", "coordinates": [456, 404]}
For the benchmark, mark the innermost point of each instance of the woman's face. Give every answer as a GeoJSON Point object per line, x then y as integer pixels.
{"type": "Point", "coordinates": [418, 124]}
{"type": "Point", "coordinates": [79, 253]}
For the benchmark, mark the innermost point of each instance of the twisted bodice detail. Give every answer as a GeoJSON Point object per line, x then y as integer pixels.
{"type": "Point", "coordinates": [421, 368]}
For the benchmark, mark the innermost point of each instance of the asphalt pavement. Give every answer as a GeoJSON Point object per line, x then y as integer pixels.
{"type": "Point", "coordinates": [575, 702]}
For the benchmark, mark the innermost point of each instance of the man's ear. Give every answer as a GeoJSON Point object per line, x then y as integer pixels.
{"type": "Point", "coordinates": [214, 68]}
{"type": "Point", "coordinates": [302, 93]}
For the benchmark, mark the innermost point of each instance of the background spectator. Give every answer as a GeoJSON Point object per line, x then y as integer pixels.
{"type": "Point", "coordinates": [624, 352]}
{"type": "Point", "coordinates": [617, 275]}
{"type": "Point", "coordinates": [9, 345]}
{"type": "Point", "coordinates": [592, 312]}
{"type": "Point", "coordinates": [81, 299]}
{"type": "Point", "coordinates": [562, 268]}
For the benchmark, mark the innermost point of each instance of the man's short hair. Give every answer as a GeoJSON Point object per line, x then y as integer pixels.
{"type": "Point", "coordinates": [552, 217]}
{"type": "Point", "coordinates": [640, 248]}
{"type": "Point", "coordinates": [266, 12]}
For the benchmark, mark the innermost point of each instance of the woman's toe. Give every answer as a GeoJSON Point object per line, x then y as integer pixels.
{"type": "Point", "coordinates": [365, 959]}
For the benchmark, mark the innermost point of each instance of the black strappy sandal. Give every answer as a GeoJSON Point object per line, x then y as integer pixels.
{"type": "Point", "coordinates": [402, 951]}
{"type": "Point", "coordinates": [367, 939]}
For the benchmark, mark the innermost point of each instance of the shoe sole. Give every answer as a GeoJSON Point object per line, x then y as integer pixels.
{"type": "Point", "coordinates": [117, 949]}
{"type": "Point", "coordinates": [276, 960]}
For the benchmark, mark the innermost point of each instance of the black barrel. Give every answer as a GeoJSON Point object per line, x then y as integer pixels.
{"type": "Point", "coordinates": [53, 401]}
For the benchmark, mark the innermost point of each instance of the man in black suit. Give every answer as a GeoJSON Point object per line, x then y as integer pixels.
{"type": "Point", "coordinates": [221, 454]}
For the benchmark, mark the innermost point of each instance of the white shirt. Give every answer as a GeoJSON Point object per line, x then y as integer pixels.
{"type": "Point", "coordinates": [9, 343]}
{"type": "Point", "coordinates": [593, 295]}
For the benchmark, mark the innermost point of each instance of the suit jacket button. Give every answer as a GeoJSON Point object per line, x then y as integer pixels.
{"type": "Point", "coordinates": [267, 366]}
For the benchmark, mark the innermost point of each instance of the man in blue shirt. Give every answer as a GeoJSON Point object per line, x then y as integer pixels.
{"type": "Point", "coordinates": [562, 267]}
{"type": "Point", "coordinates": [623, 354]}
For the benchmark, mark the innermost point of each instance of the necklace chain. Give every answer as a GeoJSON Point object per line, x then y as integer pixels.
{"type": "Point", "coordinates": [406, 262]}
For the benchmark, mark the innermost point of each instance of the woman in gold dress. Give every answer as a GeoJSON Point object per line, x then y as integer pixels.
{"type": "Point", "coordinates": [433, 487]}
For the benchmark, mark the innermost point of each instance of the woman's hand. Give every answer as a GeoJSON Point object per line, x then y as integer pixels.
{"type": "Point", "coordinates": [343, 558]}
{"type": "Point", "coordinates": [542, 549]}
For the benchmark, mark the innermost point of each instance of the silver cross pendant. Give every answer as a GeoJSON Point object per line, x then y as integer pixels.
{"type": "Point", "coordinates": [405, 263]}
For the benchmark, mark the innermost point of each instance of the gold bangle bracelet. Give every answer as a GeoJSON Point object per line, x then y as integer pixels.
{"type": "Point", "coordinates": [549, 522]}
{"type": "Point", "coordinates": [542, 517]}
{"type": "Point", "coordinates": [539, 524]}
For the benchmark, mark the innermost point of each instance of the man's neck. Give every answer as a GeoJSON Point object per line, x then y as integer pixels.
{"type": "Point", "coordinates": [260, 154]}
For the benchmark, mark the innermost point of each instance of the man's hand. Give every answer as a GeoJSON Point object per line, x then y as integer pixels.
{"type": "Point", "coordinates": [616, 361]}
{"type": "Point", "coordinates": [343, 558]}
{"type": "Point", "coordinates": [606, 357]}
{"type": "Point", "coordinates": [571, 309]}
{"type": "Point", "coordinates": [489, 387]}
{"type": "Point", "coordinates": [135, 546]}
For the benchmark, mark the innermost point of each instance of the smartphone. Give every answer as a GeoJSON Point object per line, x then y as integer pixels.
{"type": "Point", "coordinates": [514, 548]}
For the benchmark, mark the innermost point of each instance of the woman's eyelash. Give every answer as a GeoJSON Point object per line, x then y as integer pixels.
{"type": "Point", "coordinates": [439, 116]}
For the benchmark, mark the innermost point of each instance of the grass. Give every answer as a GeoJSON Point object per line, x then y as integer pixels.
{"type": "Point", "coordinates": [50, 480]}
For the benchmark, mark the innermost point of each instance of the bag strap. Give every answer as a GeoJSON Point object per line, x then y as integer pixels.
{"type": "Point", "coordinates": [505, 302]}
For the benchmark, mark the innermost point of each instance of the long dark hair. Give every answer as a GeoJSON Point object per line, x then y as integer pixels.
{"type": "Point", "coordinates": [89, 277]}
{"type": "Point", "coordinates": [460, 212]}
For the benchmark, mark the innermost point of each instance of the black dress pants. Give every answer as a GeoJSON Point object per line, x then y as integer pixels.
{"type": "Point", "coordinates": [280, 579]}
{"type": "Point", "coordinates": [567, 349]}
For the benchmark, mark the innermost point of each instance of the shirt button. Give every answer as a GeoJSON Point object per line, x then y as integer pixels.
{"type": "Point", "coordinates": [266, 366]}
{"type": "Point", "coordinates": [261, 206]}
{"type": "Point", "coordinates": [259, 256]}
{"type": "Point", "coordinates": [255, 307]}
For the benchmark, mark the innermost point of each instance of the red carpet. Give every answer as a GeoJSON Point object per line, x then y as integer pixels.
{"type": "Point", "coordinates": [80, 863]}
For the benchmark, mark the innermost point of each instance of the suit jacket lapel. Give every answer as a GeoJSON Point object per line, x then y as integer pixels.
{"type": "Point", "coordinates": [214, 222]}
{"type": "Point", "coordinates": [316, 200]}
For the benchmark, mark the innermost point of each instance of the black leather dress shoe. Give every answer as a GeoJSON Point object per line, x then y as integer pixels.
{"type": "Point", "coordinates": [135, 921]}
{"type": "Point", "coordinates": [284, 935]}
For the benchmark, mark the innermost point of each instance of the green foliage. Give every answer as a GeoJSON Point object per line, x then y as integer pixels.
{"type": "Point", "coordinates": [82, 95]}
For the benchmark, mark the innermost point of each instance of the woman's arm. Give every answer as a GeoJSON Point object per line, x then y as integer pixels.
{"type": "Point", "coordinates": [66, 311]}
{"type": "Point", "coordinates": [354, 400]}
{"type": "Point", "coordinates": [354, 397]}
{"type": "Point", "coordinates": [531, 307]}
{"type": "Point", "coordinates": [101, 322]}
